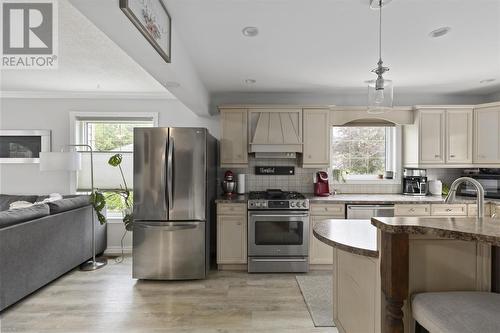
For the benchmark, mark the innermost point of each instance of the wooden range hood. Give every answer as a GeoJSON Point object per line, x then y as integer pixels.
{"type": "Point", "coordinates": [273, 131]}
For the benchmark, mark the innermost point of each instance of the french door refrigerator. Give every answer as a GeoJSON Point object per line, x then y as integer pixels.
{"type": "Point", "coordinates": [175, 172]}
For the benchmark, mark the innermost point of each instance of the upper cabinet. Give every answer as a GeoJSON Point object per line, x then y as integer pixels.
{"type": "Point", "coordinates": [439, 137]}
{"type": "Point", "coordinates": [431, 136]}
{"type": "Point", "coordinates": [234, 138]}
{"type": "Point", "coordinates": [487, 137]}
{"type": "Point", "coordinates": [459, 124]}
{"type": "Point", "coordinates": [316, 153]}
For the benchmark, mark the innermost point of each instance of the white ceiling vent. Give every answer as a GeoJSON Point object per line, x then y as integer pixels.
{"type": "Point", "coordinates": [276, 131]}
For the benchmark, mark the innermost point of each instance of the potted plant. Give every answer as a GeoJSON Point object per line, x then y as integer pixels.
{"type": "Point", "coordinates": [123, 192]}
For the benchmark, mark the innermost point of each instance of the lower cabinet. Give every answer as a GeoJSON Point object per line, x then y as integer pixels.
{"type": "Point", "coordinates": [232, 236]}
{"type": "Point", "coordinates": [451, 210]}
{"type": "Point", "coordinates": [319, 252]}
{"type": "Point", "coordinates": [356, 293]}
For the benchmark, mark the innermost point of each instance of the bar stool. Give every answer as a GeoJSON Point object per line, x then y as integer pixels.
{"type": "Point", "coordinates": [457, 312]}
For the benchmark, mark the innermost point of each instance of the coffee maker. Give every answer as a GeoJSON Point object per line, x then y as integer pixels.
{"type": "Point", "coordinates": [321, 187]}
{"type": "Point", "coordinates": [415, 182]}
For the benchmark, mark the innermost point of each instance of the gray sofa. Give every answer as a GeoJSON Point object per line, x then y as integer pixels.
{"type": "Point", "coordinates": [42, 242]}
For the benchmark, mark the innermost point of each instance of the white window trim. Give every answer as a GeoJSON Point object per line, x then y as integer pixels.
{"type": "Point", "coordinates": [373, 180]}
{"type": "Point", "coordinates": [74, 115]}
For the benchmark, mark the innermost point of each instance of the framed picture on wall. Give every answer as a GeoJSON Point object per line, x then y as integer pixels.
{"type": "Point", "coordinates": [153, 21]}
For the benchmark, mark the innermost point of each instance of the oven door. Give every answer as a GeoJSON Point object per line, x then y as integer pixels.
{"type": "Point", "coordinates": [278, 233]}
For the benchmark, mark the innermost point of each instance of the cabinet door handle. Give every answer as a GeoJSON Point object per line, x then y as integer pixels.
{"type": "Point", "coordinates": [436, 156]}
{"type": "Point", "coordinates": [449, 209]}
{"type": "Point", "coordinates": [452, 156]}
{"type": "Point", "coordinates": [412, 210]}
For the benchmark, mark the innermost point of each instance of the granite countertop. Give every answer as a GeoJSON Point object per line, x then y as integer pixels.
{"type": "Point", "coordinates": [354, 236]}
{"type": "Point", "coordinates": [374, 199]}
{"type": "Point", "coordinates": [232, 199]}
{"type": "Point", "coordinates": [486, 230]}
{"type": "Point", "coordinates": [365, 199]}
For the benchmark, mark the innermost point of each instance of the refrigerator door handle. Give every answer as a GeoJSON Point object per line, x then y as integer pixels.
{"type": "Point", "coordinates": [170, 173]}
{"type": "Point", "coordinates": [167, 228]}
{"type": "Point", "coordinates": [165, 175]}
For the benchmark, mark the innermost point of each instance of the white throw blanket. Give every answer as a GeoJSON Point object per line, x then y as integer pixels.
{"type": "Point", "coordinates": [25, 204]}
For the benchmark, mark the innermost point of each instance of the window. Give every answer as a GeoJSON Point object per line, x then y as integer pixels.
{"type": "Point", "coordinates": [364, 152]}
{"type": "Point", "coordinates": [107, 134]}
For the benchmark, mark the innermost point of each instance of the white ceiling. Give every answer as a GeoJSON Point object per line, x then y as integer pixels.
{"type": "Point", "coordinates": [331, 45]}
{"type": "Point", "coordinates": [88, 62]}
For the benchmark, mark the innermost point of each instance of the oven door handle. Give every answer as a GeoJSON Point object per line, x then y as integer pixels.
{"type": "Point", "coordinates": [270, 215]}
{"type": "Point", "coordinates": [278, 259]}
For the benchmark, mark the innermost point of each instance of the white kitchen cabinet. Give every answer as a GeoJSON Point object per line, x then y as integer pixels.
{"type": "Point", "coordinates": [440, 137]}
{"type": "Point", "coordinates": [234, 138]}
{"type": "Point", "coordinates": [459, 136]}
{"type": "Point", "coordinates": [231, 234]}
{"type": "Point", "coordinates": [432, 136]}
{"type": "Point", "coordinates": [316, 153]}
{"type": "Point", "coordinates": [319, 252]}
{"type": "Point", "coordinates": [487, 137]}
{"type": "Point", "coordinates": [412, 210]}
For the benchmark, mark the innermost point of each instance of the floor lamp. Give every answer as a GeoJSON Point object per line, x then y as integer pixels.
{"type": "Point", "coordinates": [72, 161]}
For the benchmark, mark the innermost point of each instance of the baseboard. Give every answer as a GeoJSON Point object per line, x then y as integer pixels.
{"type": "Point", "coordinates": [232, 267]}
{"type": "Point", "coordinates": [322, 267]}
{"type": "Point", "coordinates": [117, 250]}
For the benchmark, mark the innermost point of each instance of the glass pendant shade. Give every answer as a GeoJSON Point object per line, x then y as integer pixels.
{"type": "Point", "coordinates": [380, 100]}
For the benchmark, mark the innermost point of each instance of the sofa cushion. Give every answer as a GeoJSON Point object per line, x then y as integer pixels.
{"type": "Point", "coordinates": [66, 204]}
{"type": "Point", "coordinates": [7, 199]}
{"type": "Point", "coordinates": [15, 216]}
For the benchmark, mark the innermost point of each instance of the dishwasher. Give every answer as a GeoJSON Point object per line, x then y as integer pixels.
{"type": "Point", "coordinates": [366, 212]}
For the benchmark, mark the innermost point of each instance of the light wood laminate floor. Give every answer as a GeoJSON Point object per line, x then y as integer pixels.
{"type": "Point", "coordinates": [109, 300]}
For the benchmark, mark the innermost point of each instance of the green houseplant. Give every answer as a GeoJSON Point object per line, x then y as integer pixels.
{"type": "Point", "coordinates": [123, 192]}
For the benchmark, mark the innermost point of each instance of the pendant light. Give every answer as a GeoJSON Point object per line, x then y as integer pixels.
{"type": "Point", "coordinates": [380, 90]}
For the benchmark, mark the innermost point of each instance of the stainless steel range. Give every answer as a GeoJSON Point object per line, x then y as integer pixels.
{"type": "Point", "coordinates": [278, 232]}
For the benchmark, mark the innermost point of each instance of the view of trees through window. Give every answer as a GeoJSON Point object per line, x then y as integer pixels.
{"type": "Point", "coordinates": [112, 136]}
{"type": "Point", "coordinates": [360, 150]}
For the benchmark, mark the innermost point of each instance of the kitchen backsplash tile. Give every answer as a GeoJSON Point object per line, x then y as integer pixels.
{"type": "Point", "coordinates": [302, 181]}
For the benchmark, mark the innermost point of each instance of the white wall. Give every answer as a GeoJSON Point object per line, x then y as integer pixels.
{"type": "Point", "coordinates": [53, 114]}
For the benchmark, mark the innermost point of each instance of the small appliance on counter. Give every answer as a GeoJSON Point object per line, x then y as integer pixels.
{"type": "Point", "coordinates": [321, 186]}
{"type": "Point", "coordinates": [435, 187]}
{"type": "Point", "coordinates": [488, 178]}
{"type": "Point", "coordinates": [241, 184]}
{"type": "Point", "coordinates": [229, 184]}
{"type": "Point", "coordinates": [415, 182]}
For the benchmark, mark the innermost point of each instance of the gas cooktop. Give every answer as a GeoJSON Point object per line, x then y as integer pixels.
{"type": "Point", "coordinates": [277, 199]}
{"type": "Point", "coordinates": [275, 195]}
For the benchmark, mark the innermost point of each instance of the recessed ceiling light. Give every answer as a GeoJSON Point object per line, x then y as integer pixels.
{"type": "Point", "coordinates": [374, 4]}
{"type": "Point", "coordinates": [172, 84]}
{"type": "Point", "coordinates": [439, 32]}
{"type": "Point", "coordinates": [487, 80]}
{"type": "Point", "coordinates": [250, 31]}
{"type": "Point", "coordinates": [250, 82]}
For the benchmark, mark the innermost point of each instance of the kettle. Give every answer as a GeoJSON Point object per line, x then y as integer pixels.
{"type": "Point", "coordinates": [321, 186]}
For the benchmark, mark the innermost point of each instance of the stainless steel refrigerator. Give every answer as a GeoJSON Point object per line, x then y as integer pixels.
{"type": "Point", "coordinates": [175, 172]}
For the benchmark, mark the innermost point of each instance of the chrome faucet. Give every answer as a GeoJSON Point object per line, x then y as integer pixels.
{"type": "Point", "coordinates": [479, 196]}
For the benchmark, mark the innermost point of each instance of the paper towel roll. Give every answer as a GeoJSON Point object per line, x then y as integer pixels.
{"type": "Point", "coordinates": [241, 184]}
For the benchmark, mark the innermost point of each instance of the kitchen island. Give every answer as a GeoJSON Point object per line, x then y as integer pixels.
{"type": "Point", "coordinates": [378, 264]}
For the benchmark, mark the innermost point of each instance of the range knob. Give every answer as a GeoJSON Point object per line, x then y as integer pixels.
{"type": "Point", "coordinates": [292, 204]}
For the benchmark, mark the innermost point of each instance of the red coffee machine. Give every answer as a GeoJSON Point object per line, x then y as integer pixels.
{"type": "Point", "coordinates": [321, 187]}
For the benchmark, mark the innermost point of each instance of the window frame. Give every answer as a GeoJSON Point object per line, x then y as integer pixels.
{"type": "Point", "coordinates": [393, 156]}
{"type": "Point", "coordinates": [76, 132]}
